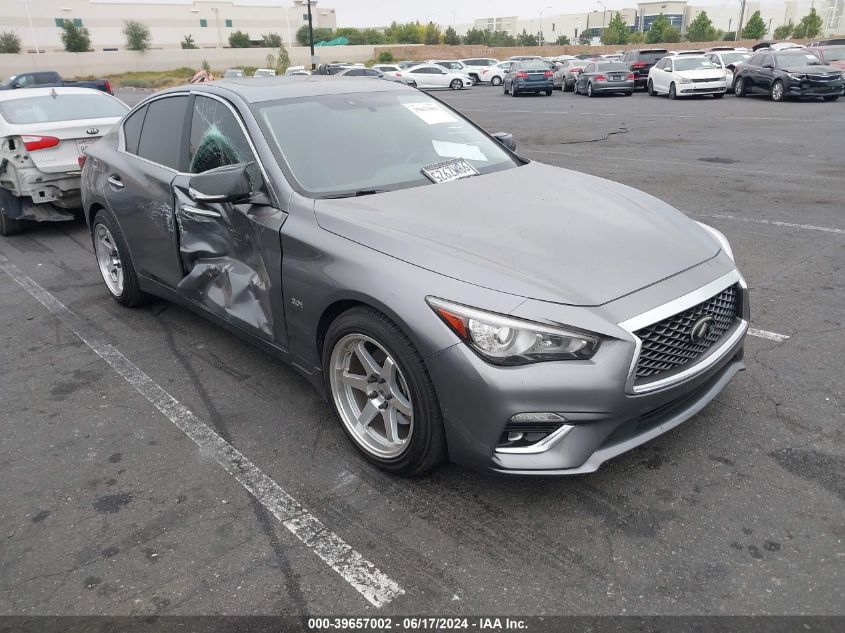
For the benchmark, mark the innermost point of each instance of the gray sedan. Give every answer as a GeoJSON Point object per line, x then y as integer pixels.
{"type": "Point", "coordinates": [366, 233]}
{"type": "Point", "coordinates": [605, 78]}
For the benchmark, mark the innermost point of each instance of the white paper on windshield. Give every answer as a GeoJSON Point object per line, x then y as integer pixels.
{"type": "Point", "coordinates": [458, 150]}
{"type": "Point", "coordinates": [448, 170]}
{"type": "Point", "coordinates": [431, 113]}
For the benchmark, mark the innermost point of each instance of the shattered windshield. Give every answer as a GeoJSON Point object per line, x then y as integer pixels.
{"type": "Point", "coordinates": [379, 141]}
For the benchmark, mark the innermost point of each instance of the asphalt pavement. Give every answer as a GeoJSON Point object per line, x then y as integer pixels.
{"type": "Point", "coordinates": [109, 504]}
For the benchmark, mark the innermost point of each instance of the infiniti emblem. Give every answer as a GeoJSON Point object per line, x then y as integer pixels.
{"type": "Point", "coordinates": [92, 130]}
{"type": "Point", "coordinates": [700, 329]}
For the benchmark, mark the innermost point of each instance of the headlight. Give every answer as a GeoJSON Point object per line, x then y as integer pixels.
{"type": "Point", "coordinates": [721, 240]}
{"type": "Point", "coordinates": [507, 341]}
{"type": "Point", "coordinates": [796, 76]}
{"type": "Point", "coordinates": [682, 80]}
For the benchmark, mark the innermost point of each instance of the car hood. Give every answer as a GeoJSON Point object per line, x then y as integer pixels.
{"type": "Point", "coordinates": [699, 73]}
{"type": "Point", "coordinates": [535, 231]}
{"type": "Point", "coordinates": [824, 69]}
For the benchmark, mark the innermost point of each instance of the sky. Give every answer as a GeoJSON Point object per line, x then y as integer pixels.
{"type": "Point", "coordinates": [445, 12]}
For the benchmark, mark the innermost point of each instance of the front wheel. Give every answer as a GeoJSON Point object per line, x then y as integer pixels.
{"type": "Point", "coordinates": [739, 87]}
{"type": "Point", "coordinates": [778, 92]}
{"type": "Point", "coordinates": [650, 87]}
{"type": "Point", "coordinates": [10, 226]}
{"type": "Point", "coordinates": [382, 393]}
{"type": "Point", "coordinates": [496, 81]}
{"type": "Point", "coordinates": [831, 97]}
{"type": "Point", "coordinates": [549, 93]}
{"type": "Point", "coordinates": [114, 261]}
{"type": "Point", "coordinates": [629, 94]}
{"type": "Point", "coordinates": [673, 92]}
{"type": "Point", "coordinates": [456, 84]}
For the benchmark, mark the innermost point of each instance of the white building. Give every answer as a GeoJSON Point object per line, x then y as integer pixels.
{"type": "Point", "coordinates": [209, 22]}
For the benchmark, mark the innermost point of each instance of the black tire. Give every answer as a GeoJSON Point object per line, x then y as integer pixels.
{"type": "Point", "coordinates": [132, 295]}
{"type": "Point", "coordinates": [575, 88]}
{"type": "Point", "coordinates": [548, 93]}
{"type": "Point", "coordinates": [413, 84]}
{"type": "Point", "coordinates": [778, 91]}
{"type": "Point", "coordinates": [456, 84]}
{"type": "Point", "coordinates": [831, 97]}
{"type": "Point", "coordinates": [505, 88]}
{"type": "Point", "coordinates": [629, 94]}
{"type": "Point", "coordinates": [650, 88]}
{"type": "Point", "coordinates": [10, 226]}
{"type": "Point", "coordinates": [514, 91]}
{"type": "Point", "coordinates": [590, 92]}
{"type": "Point", "coordinates": [496, 81]}
{"type": "Point", "coordinates": [427, 446]}
{"type": "Point", "coordinates": [673, 91]}
{"type": "Point", "coordinates": [718, 95]}
{"type": "Point", "coordinates": [739, 87]}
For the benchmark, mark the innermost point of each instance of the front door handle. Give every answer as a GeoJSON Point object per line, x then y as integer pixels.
{"type": "Point", "coordinates": [115, 182]}
{"type": "Point", "coordinates": [205, 213]}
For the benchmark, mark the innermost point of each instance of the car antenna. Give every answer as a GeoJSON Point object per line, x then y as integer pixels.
{"type": "Point", "coordinates": [53, 93]}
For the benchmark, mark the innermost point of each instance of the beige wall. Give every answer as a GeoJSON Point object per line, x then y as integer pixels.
{"type": "Point", "coordinates": [169, 23]}
{"type": "Point", "coordinates": [71, 65]}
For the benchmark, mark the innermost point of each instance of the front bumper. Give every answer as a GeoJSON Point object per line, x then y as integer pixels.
{"type": "Point", "coordinates": [701, 88]}
{"type": "Point", "coordinates": [812, 88]}
{"type": "Point", "coordinates": [606, 418]}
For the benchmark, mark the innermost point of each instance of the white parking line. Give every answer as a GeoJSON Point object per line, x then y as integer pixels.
{"type": "Point", "coordinates": [808, 227]}
{"type": "Point", "coordinates": [375, 586]}
{"type": "Point", "coordinates": [628, 115]}
{"type": "Point", "coordinates": [772, 336]}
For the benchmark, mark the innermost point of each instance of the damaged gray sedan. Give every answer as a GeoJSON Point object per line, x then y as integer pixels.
{"type": "Point", "coordinates": [450, 299]}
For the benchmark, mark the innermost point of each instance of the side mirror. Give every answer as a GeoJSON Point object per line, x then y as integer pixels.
{"type": "Point", "coordinates": [506, 139]}
{"type": "Point", "coordinates": [768, 66]}
{"type": "Point", "coordinates": [223, 184]}
{"type": "Point", "coordinates": [16, 84]}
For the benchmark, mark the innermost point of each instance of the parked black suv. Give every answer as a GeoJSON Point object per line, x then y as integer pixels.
{"type": "Point", "coordinates": [788, 73]}
{"type": "Point", "coordinates": [640, 61]}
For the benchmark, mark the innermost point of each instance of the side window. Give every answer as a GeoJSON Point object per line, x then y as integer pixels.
{"type": "Point", "coordinates": [355, 72]}
{"type": "Point", "coordinates": [590, 68]}
{"type": "Point", "coordinates": [756, 60]}
{"type": "Point", "coordinates": [132, 130]}
{"type": "Point", "coordinates": [369, 72]}
{"type": "Point", "coordinates": [43, 78]}
{"type": "Point", "coordinates": [161, 135]}
{"type": "Point", "coordinates": [25, 80]}
{"type": "Point", "coordinates": [769, 59]}
{"type": "Point", "coordinates": [217, 140]}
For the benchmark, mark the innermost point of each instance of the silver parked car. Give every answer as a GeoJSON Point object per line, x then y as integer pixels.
{"type": "Point", "coordinates": [392, 271]}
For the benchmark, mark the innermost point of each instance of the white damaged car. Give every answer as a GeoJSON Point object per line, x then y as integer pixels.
{"type": "Point", "coordinates": [44, 136]}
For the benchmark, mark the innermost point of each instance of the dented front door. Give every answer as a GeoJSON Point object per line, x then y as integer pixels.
{"type": "Point", "coordinates": [230, 253]}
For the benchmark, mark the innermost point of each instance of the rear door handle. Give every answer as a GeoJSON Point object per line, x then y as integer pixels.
{"type": "Point", "coordinates": [115, 182]}
{"type": "Point", "coordinates": [205, 213]}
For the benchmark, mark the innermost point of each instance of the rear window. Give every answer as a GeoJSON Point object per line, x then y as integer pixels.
{"type": "Point", "coordinates": [611, 67]}
{"type": "Point", "coordinates": [834, 54]}
{"type": "Point", "coordinates": [653, 55]}
{"type": "Point", "coordinates": [62, 107]}
{"type": "Point", "coordinates": [533, 66]}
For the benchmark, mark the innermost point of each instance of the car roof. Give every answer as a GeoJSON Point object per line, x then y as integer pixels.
{"type": "Point", "coordinates": [8, 95]}
{"type": "Point", "coordinates": [259, 89]}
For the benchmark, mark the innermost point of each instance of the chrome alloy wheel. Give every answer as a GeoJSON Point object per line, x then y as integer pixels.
{"type": "Point", "coordinates": [108, 259]}
{"type": "Point", "coordinates": [371, 396]}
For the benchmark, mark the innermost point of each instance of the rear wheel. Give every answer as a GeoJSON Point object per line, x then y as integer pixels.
{"type": "Point", "coordinates": [10, 226]}
{"type": "Point", "coordinates": [778, 92]}
{"type": "Point", "coordinates": [514, 91]}
{"type": "Point", "coordinates": [382, 393]}
{"type": "Point", "coordinates": [456, 84]}
{"type": "Point", "coordinates": [496, 81]}
{"type": "Point", "coordinates": [114, 261]}
{"type": "Point", "coordinates": [739, 87]}
{"type": "Point", "coordinates": [629, 94]}
{"type": "Point", "coordinates": [673, 92]}
{"type": "Point", "coordinates": [590, 90]}
{"type": "Point", "coordinates": [650, 87]}
{"type": "Point", "coordinates": [831, 97]}
{"type": "Point", "coordinates": [549, 92]}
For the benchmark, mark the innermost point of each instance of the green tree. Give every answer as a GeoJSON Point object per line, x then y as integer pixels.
{"type": "Point", "coordinates": [784, 31]}
{"type": "Point", "coordinates": [701, 29]}
{"type": "Point", "coordinates": [385, 57]}
{"type": "Point", "coordinates": [75, 38]}
{"type": "Point", "coordinates": [137, 35]}
{"type": "Point", "coordinates": [616, 32]}
{"type": "Point", "coordinates": [10, 42]}
{"type": "Point", "coordinates": [432, 34]}
{"type": "Point", "coordinates": [206, 66]}
{"type": "Point", "coordinates": [271, 40]}
{"type": "Point", "coordinates": [320, 35]}
{"type": "Point", "coordinates": [188, 42]}
{"type": "Point", "coordinates": [637, 37]}
{"type": "Point", "coordinates": [239, 39]}
{"type": "Point", "coordinates": [451, 37]}
{"type": "Point", "coordinates": [408, 33]}
{"type": "Point", "coordinates": [476, 36]}
{"type": "Point", "coordinates": [585, 38]}
{"type": "Point", "coordinates": [730, 36]}
{"type": "Point", "coordinates": [499, 38]}
{"type": "Point", "coordinates": [527, 39]}
{"type": "Point", "coordinates": [562, 40]}
{"type": "Point", "coordinates": [662, 31]}
{"type": "Point", "coordinates": [809, 26]}
{"type": "Point", "coordinates": [755, 28]}
{"type": "Point", "coordinates": [282, 60]}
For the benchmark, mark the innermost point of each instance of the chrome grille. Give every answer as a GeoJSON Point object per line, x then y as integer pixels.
{"type": "Point", "coordinates": [668, 345]}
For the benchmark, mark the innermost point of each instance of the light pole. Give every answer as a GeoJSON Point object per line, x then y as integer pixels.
{"type": "Point", "coordinates": [217, 24]}
{"type": "Point", "coordinates": [311, 36]}
{"type": "Point", "coordinates": [604, 15]}
{"type": "Point", "coordinates": [31, 28]}
{"type": "Point", "coordinates": [741, 16]}
{"type": "Point", "coordinates": [540, 41]}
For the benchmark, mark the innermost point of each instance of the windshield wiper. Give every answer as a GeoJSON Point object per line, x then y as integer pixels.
{"type": "Point", "coordinates": [354, 194]}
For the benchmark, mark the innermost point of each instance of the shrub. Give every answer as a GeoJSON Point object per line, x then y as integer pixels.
{"type": "Point", "coordinates": [188, 43]}
{"type": "Point", "coordinates": [239, 39]}
{"type": "Point", "coordinates": [75, 38]}
{"type": "Point", "coordinates": [385, 57]}
{"type": "Point", "coordinates": [137, 35]}
{"type": "Point", "coordinates": [10, 42]}
{"type": "Point", "coordinates": [271, 40]}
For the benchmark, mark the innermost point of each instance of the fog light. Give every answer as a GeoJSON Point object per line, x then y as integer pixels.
{"type": "Point", "coordinates": [515, 436]}
{"type": "Point", "coordinates": [522, 418]}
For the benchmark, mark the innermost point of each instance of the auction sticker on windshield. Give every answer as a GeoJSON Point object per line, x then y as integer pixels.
{"type": "Point", "coordinates": [449, 170]}
{"type": "Point", "coordinates": [431, 113]}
